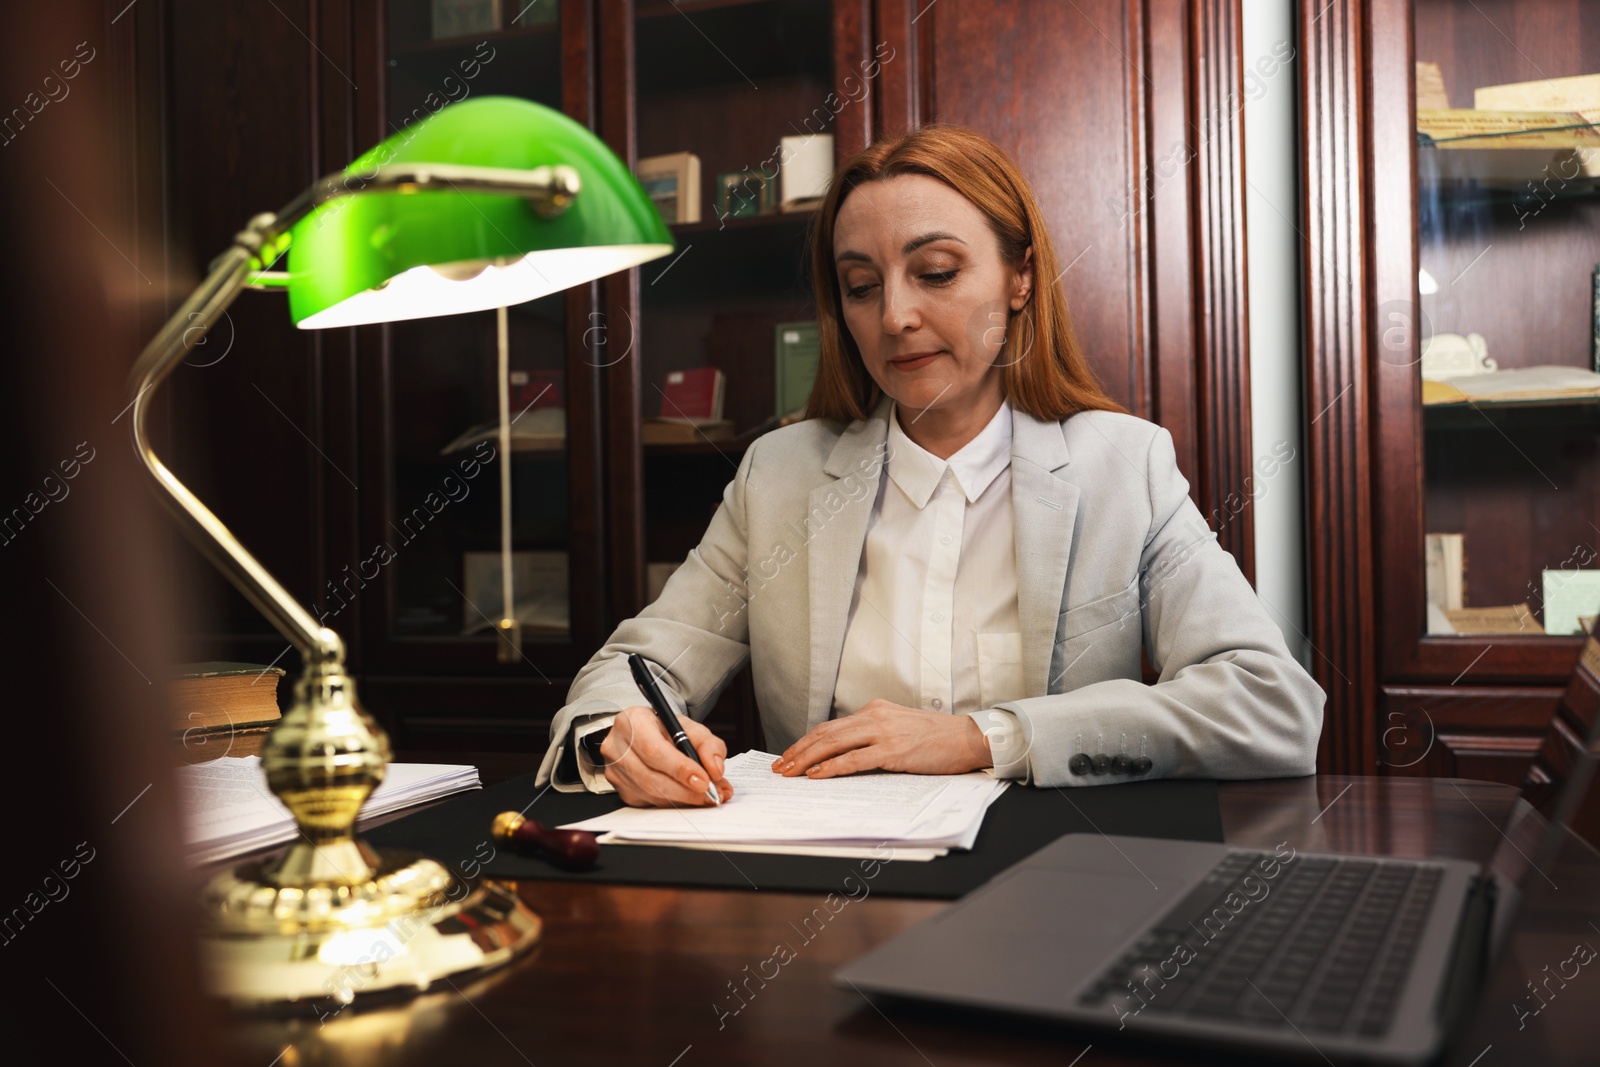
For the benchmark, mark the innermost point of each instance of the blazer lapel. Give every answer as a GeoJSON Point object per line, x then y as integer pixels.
{"type": "Point", "coordinates": [1044, 510]}
{"type": "Point", "coordinates": [837, 516]}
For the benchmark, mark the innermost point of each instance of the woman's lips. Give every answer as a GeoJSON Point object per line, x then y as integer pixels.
{"type": "Point", "coordinates": [914, 362]}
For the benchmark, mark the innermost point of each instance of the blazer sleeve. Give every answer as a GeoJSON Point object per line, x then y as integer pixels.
{"type": "Point", "coordinates": [1230, 702]}
{"type": "Point", "coordinates": [696, 631]}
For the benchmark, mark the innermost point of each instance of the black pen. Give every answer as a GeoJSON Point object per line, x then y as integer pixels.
{"type": "Point", "coordinates": [669, 718]}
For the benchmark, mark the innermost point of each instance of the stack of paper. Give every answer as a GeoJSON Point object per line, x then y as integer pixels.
{"type": "Point", "coordinates": [920, 816]}
{"type": "Point", "coordinates": [228, 809]}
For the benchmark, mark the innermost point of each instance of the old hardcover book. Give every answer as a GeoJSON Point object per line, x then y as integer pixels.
{"type": "Point", "coordinates": [1500, 147]}
{"type": "Point", "coordinates": [222, 695]}
{"type": "Point", "coordinates": [673, 184]}
{"type": "Point", "coordinates": [1505, 619]}
{"type": "Point", "coordinates": [680, 432]}
{"type": "Point", "coordinates": [1580, 94]}
{"type": "Point", "coordinates": [797, 355]}
{"type": "Point", "coordinates": [693, 396]}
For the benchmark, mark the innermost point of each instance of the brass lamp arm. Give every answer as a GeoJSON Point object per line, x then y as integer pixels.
{"type": "Point", "coordinates": [548, 189]}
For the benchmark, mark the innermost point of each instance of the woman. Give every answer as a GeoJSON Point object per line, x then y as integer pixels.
{"type": "Point", "coordinates": [953, 562]}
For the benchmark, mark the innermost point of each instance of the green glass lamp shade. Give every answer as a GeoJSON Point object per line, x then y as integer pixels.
{"type": "Point", "coordinates": [384, 256]}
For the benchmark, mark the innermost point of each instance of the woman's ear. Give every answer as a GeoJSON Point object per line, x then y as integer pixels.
{"type": "Point", "coordinates": [1022, 281]}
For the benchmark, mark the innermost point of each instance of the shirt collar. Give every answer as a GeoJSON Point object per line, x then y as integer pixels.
{"type": "Point", "coordinates": [918, 472]}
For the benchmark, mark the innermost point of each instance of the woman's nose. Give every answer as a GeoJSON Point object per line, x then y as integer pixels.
{"type": "Point", "coordinates": [901, 311]}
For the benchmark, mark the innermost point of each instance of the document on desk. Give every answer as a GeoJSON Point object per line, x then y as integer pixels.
{"type": "Point", "coordinates": [228, 810]}
{"type": "Point", "coordinates": [916, 813]}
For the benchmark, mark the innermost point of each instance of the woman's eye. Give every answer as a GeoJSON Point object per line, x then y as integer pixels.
{"type": "Point", "coordinates": [942, 277]}
{"type": "Point", "coordinates": [857, 292]}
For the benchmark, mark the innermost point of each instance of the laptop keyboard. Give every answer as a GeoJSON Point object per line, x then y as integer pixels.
{"type": "Point", "coordinates": [1325, 945]}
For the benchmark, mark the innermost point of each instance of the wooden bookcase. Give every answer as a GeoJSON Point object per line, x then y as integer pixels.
{"type": "Point", "coordinates": [1523, 484]}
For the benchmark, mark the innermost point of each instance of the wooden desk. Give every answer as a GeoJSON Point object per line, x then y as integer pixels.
{"type": "Point", "coordinates": [641, 975]}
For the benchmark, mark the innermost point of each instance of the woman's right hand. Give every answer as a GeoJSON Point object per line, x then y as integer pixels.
{"type": "Point", "coordinates": [650, 772]}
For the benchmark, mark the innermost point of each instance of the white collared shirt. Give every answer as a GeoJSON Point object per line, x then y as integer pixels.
{"type": "Point", "coordinates": [934, 621]}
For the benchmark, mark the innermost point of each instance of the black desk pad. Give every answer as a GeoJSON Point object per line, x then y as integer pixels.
{"type": "Point", "coordinates": [1022, 821]}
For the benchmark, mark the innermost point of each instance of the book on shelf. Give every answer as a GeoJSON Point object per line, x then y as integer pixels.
{"type": "Point", "coordinates": [1520, 385]}
{"type": "Point", "coordinates": [535, 390]}
{"type": "Point", "coordinates": [693, 396]}
{"type": "Point", "coordinates": [673, 184]}
{"type": "Point", "coordinates": [1431, 95]}
{"type": "Point", "coordinates": [797, 353]}
{"type": "Point", "coordinates": [1579, 95]}
{"type": "Point", "coordinates": [534, 430]}
{"type": "Point", "coordinates": [1504, 619]}
{"type": "Point", "coordinates": [1445, 570]}
{"type": "Point", "coordinates": [804, 170]}
{"type": "Point", "coordinates": [685, 431]}
{"type": "Point", "coordinates": [1569, 595]}
{"type": "Point", "coordinates": [224, 695]}
{"type": "Point", "coordinates": [1500, 147]}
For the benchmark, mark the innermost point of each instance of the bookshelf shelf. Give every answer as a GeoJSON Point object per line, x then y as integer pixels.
{"type": "Point", "coordinates": [775, 220]}
{"type": "Point", "coordinates": [1577, 411]}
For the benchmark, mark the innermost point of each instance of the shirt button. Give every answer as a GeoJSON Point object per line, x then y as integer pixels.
{"type": "Point", "coordinates": [937, 703]}
{"type": "Point", "coordinates": [938, 616]}
{"type": "Point", "coordinates": [945, 539]}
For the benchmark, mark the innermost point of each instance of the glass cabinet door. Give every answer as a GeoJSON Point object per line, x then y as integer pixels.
{"type": "Point", "coordinates": [1508, 249]}
{"type": "Point", "coordinates": [735, 107]}
{"type": "Point", "coordinates": [441, 530]}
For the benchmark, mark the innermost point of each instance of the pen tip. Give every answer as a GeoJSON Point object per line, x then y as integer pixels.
{"type": "Point", "coordinates": [716, 797]}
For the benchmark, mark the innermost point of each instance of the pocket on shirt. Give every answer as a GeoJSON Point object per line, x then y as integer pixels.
{"type": "Point", "coordinates": [1121, 606]}
{"type": "Point", "coordinates": [999, 668]}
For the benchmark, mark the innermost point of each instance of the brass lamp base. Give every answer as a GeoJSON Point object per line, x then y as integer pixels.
{"type": "Point", "coordinates": [408, 925]}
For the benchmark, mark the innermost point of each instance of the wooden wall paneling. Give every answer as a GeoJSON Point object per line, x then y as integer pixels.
{"type": "Point", "coordinates": [1398, 471]}
{"type": "Point", "coordinates": [1159, 211]}
{"type": "Point", "coordinates": [1464, 731]}
{"type": "Point", "coordinates": [619, 295]}
{"type": "Point", "coordinates": [903, 92]}
{"type": "Point", "coordinates": [1223, 400]}
{"type": "Point", "coordinates": [1077, 130]}
{"type": "Point", "coordinates": [1136, 153]}
{"type": "Point", "coordinates": [1333, 93]}
{"type": "Point", "coordinates": [853, 37]}
{"type": "Point", "coordinates": [587, 353]}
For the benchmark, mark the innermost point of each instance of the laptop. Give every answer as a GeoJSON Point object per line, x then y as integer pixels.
{"type": "Point", "coordinates": [1291, 954]}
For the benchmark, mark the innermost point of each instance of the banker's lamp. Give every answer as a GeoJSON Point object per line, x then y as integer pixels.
{"type": "Point", "coordinates": [488, 202]}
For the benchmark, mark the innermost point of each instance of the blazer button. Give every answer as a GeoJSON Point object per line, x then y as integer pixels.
{"type": "Point", "coordinates": [1120, 764]}
{"type": "Point", "coordinates": [1102, 763]}
{"type": "Point", "coordinates": [1141, 765]}
{"type": "Point", "coordinates": [1079, 764]}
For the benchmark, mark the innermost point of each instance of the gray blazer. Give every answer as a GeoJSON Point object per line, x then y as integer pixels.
{"type": "Point", "coordinates": [1111, 555]}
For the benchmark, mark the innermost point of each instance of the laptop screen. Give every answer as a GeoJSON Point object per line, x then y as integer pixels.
{"type": "Point", "coordinates": [1560, 788]}
{"type": "Point", "coordinates": [1540, 999]}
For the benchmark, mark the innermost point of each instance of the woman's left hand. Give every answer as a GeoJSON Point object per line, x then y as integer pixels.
{"type": "Point", "coordinates": [887, 736]}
